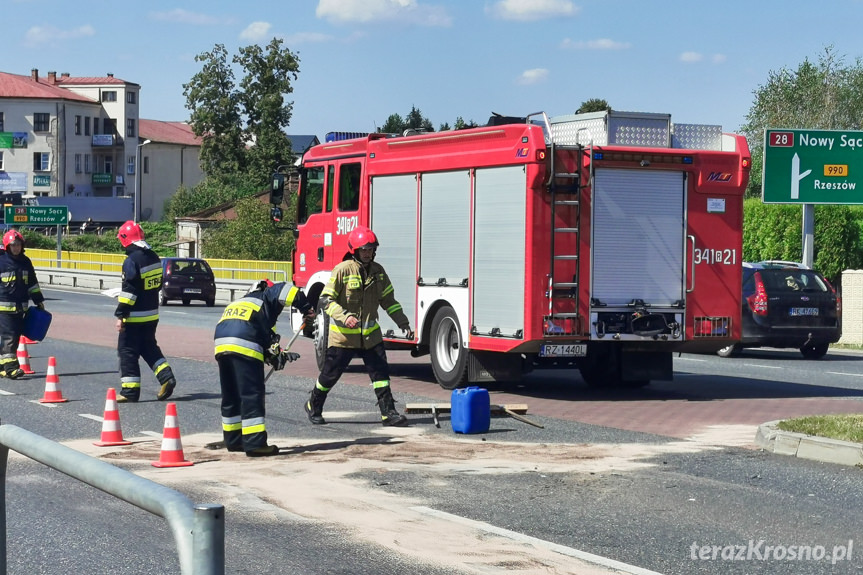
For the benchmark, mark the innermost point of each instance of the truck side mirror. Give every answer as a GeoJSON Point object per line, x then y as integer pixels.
{"type": "Point", "coordinates": [277, 190]}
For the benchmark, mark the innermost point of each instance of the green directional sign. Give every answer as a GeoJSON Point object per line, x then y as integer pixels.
{"type": "Point", "coordinates": [813, 167]}
{"type": "Point", "coordinates": [37, 215]}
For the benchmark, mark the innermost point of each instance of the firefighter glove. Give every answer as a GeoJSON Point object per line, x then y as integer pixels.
{"type": "Point", "coordinates": [409, 333]}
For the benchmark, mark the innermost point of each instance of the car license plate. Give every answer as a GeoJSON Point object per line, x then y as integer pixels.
{"type": "Point", "coordinates": [795, 311]}
{"type": "Point", "coordinates": [192, 290]}
{"type": "Point", "coordinates": [563, 350]}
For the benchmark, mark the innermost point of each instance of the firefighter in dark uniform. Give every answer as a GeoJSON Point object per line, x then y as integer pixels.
{"type": "Point", "coordinates": [18, 286]}
{"type": "Point", "coordinates": [245, 339]}
{"type": "Point", "coordinates": [357, 287]}
{"type": "Point", "coordinates": [137, 316]}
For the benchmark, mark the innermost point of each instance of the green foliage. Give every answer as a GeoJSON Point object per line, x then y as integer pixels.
{"type": "Point", "coordinates": [818, 96]}
{"type": "Point", "coordinates": [243, 128]}
{"type": "Point", "coordinates": [207, 194]}
{"type": "Point", "coordinates": [775, 232]}
{"type": "Point", "coordinates": [395, 124]}
{"type": "Point", "coordinates": [252, 236]}
{"type": "Point", "coordinates": [593, 105]}
{"type": "Point", "coordinates": [156, 234]}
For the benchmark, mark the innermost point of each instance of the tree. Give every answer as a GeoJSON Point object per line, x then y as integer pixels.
{"type": "Point", "coordinates": [593, 105]}
{"type": "Point", "coordinates": [819, 96]}
{"type": "Point", "coordinates": [395, 124]}
{"type": "Point", "coordinates": [242, 128]}
{"type": "Point", "coordinates": [251, 236]}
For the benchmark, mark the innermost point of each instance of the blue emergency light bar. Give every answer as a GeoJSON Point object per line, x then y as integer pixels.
{"type": "Point", "coordinates": [339, 136]}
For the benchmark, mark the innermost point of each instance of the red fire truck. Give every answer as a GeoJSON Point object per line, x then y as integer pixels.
{"type": "Point", "coordinates": [604, 241]}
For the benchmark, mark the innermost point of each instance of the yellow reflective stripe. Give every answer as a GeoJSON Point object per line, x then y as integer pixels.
{"type": "Point", "coordinates": [321, 387]}
{"type": "Point", "coordinates": [234, 348]}
{"type": "Point", "coordinates": [148, 270]}
{"type": "Point", "coordinates": [288, 293]}
{"type": "Point", "coordinates": [328, 291]}
{"type": "Point", "coordinates": [6, 306]}
{"type": "Point", "coordinates": [143, 318]}
{"type": "Point", "coordinates": [394, 308]}
{"type": "Point", "coordinates": [231, 426]}
{"type": "Point", "coordinates": [35, 288]}
{"type": "Point", "coordinates": [387, 291]}
{"type": "Point", "coordinates": [127, 298]}
{"type": "Point", "coordinates": [371, 329]}
{"type": "Point", "coordinates": [131, 385]}
{"type": "Point", "coordinates": [160, 368]}
{"type": "Point", "coordinates": [380, 384]}
{"type": "Point", "coordinates": [345, 330]}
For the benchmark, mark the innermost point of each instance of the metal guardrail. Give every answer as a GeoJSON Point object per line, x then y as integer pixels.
{"type": "Point", "coordinates": [199, 529]}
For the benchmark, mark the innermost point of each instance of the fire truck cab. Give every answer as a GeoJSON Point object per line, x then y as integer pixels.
{"type": "Point", "coordinates": [604, 241]}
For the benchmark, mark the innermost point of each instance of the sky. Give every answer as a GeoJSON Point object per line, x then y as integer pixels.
{"type": "Point", "coordinates": [362, 60]}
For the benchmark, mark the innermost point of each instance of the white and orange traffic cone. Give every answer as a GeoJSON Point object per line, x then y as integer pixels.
{"type": "Point", "coordinates": [172, 447]}
{"type": "Point", "coordinates": [111, 432]}
{"type": "Point", "coordinates": [24, 356]}
{"type": "Point", "coordinates": [52, 384]}
{"type": "Point", "coordinates": [27, 340]}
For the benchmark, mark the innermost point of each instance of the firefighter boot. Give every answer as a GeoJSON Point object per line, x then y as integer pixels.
{"type": "Point", "coordinates": [389, 415]}
{"type": "Point", "coordinates": [12, 370]}
{"type": "Point", "coordinates": [315, 406]}
{"type": "Point", "coordinates": [167, 388]}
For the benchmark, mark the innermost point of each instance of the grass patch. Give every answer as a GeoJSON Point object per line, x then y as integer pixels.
{"type": "Point", "coordinates": [844, 427]}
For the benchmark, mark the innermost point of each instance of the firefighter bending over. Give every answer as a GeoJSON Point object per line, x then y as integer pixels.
{"type": "Point", "coordinates": [245, 339]}
{"type": "Point", "coordinates": [18, 286]}
{"type": "Point", "coordinates": [137, 316]}
{"type": "Point", "coordinates": [355, 290]}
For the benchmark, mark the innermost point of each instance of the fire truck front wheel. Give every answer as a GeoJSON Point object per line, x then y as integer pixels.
{"type": "Point", "coordinates": [448, 355]}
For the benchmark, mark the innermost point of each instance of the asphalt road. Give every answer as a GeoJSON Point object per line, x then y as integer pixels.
{"type": "Point", "coordinates": [353, 497]}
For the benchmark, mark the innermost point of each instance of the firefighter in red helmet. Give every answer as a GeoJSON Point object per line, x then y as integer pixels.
{"type": "Point", "coordinates": [137, 316]}
{"type": "Point", "coordinates": [18, 286]}
{"type": "Point", "coordinates": [357, 287]}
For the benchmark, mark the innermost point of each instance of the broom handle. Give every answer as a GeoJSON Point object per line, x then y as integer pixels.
{"type": "Point", "coordinates": [290, 343]}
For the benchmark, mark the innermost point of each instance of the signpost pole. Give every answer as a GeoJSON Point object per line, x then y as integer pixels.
{"type": "Point", "coordinates": [808, 234]}
{"type": "Point", "coordinates": [59, 244]}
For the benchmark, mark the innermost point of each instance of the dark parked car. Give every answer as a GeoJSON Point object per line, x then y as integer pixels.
{"type": "Point", "coordinates": [187, 279]}
{"type": "Point", "coordinates": [787, 305]}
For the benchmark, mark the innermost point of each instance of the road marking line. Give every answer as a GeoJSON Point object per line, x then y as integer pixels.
{"type": "Point", "coordinates": [763, 366]}
{"type": "Point", "coordinates": [37, 402]}
{"type": "Point", "coordinates": [842, 373]}
{"type": "Point", "coordinates": [3, 392]}
{"type": "Point", "coordinates": [563, 550]}
{"type": "Point", "coordinates": [151, 433]}
{"type": "Point", "coordinates": [690, 359]}
{"type": "Point", "coordinates": [93, 417]}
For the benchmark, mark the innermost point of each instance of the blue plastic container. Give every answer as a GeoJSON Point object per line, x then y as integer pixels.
{"type": "Point", "coordinates": [36, 323]}
{"type": "Point", "coordinates": [470, 410]}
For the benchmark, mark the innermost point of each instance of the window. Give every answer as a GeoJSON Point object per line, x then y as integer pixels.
{"type": "Point", "coordinates": [130, 128]}
{"type": "Point", "coordinates": [95, 126]}
{"type": "Point", "coordinates": [1, 162]}
{"type": "Point", "coordinates": [109, 126]}
{"type": "Point", "coordinates": [41, 122]}
{"type": "Point", "coordinates": [130, 97]}
{"type": "Point", "coordinates": [109, 165]}
{"type": "Point", "coordinates": [349, 187]}
{"type": "Point", "coordinates": [41, 161]}
{"type": "Point", "coordinates": [77, 125]}
{"type": "Point", "coordinates": [130, 165]}
{"type": "Point", "coordinates": [146, 164]}
{"type": "Point", "coordinates": [86, 163]}
{"type": "Point", "coordinates": [77, 163]}
{"type": "Point", "coordinates": [2, 122]}
{"type": "Point", "coordinates": [331, 183]}
{"type": "Point", "coordinates": [87, 125]}
{"type": "Point", "coordinates": [109, 96]}
{"type": "Point", "coordinates": [311, 194]}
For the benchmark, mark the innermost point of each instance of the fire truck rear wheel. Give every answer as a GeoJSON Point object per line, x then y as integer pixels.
{"type": "Point", "coordinates": [320, 336]}
{"type": "Point", "coordinates": [448, 355]}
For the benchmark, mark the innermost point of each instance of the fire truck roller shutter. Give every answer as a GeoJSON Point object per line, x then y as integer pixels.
{"type": "Point", "coordinates": [393, 219]}
{"type": "Point", "coordinates": [445, 232]}
{"type": "Point", "coordinates": [499, 250]}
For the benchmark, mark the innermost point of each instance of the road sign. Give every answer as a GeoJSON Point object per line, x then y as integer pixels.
{"type": "Point", "coordinates": [812, 167]}
{"type": "Point", "coordinates": [37, 215]}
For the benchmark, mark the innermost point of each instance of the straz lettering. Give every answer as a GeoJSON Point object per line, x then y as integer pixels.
{"type": "Point", "coordinates": [345, 224]}
{"type": "Point", "coordinates": [236, 313]}
{"type": "Point", "coordinates": [719, 177]}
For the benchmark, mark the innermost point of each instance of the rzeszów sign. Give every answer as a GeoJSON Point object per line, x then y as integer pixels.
{"type": "Point", "coordinates": [813, 167]}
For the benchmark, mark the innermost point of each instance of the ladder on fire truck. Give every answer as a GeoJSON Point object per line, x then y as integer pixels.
{"type": "Point", "coordinates": [564, 189]}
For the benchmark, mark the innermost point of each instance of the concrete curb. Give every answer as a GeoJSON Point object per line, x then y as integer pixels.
{"type": "Point", "coordinates": [770, 438]}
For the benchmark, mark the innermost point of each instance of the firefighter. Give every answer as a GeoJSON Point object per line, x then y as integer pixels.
{"type": "Point", "coordinates": [137, 316]}
{"type": "Point", "coordinates": [355, 290]}
{"type": "Point", "coordinates": [18, 286]}
{"type": "Point", "coordinates": [245, 339]}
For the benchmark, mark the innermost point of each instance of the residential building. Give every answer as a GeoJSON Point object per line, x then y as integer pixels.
{"type": "Point", "coordinates": [170, 157]}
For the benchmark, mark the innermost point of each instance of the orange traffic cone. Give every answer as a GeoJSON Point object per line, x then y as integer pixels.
{"type": "Point", "coordinates": [27, 340]}
{"type": "Point", "coordinates": [172, 447]}
{"type": "Point", "coordinates": [111, 432]}
{"type": "Point", "coordinates": [24, 356]}
{"type": "Point", "coordinates": [52, 384]}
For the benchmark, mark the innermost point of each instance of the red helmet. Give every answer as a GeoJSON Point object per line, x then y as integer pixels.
{"type": "Point", "coordinates": [361, 237]}
{"type": "Point", "coordinates": [129, 233]}
{"type": "Point", "coordinates": [12, 236]}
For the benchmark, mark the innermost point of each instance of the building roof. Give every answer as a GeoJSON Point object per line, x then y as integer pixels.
{"type": "Point", "coordinates": [168, 132]}
{"type": "Point", "coordinates": [15, 86]}
{"type": "Point", "coordinates": [299, 144]}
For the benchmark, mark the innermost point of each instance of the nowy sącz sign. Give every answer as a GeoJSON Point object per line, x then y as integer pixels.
{"type": "Point", "coordinates": [812, 167]}
{"type": "Point", "coordinates": [37, 216]}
